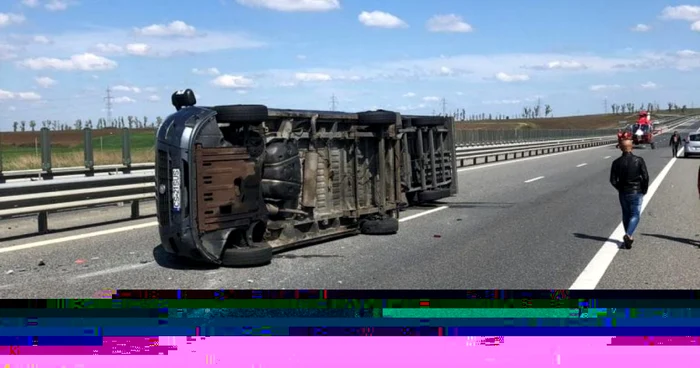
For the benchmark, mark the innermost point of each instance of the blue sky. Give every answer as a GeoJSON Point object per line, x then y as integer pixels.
{"type": "Point", "coordinates": [58, 57]}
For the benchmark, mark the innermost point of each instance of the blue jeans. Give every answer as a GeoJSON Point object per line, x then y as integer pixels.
{"type": "Point", "coordinates": [631, 204]}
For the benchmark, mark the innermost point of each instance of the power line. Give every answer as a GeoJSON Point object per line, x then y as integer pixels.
{"type": "Point", "coordinates": [444, 107]}
{"type": "Point", "coordinates": [108, 100]}
{"type": "Point", "coordinates": [334, 102]}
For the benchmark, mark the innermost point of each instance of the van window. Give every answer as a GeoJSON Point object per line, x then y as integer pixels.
{"type": "Point", "coordinates": [694, 138]}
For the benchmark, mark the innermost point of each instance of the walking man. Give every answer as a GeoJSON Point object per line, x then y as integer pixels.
{"type": "Point", "coordinates": [628, 174]}
{"type": "Point", "coordinates": [674, 143]}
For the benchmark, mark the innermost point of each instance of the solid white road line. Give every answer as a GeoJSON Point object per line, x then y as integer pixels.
{"type": "Point", "coordinates": [607, 157]}
{"type": "Point", "coordinates": [142, 226]}
{"type": "Point", "coordinates": [77, 237]}
{"type": "Point", "coordinates": [581, 165]}
{"type": "Point", "coordinates": [534, 179]}
{"type": "Point", "coordinates": [594, 271]}
{"type": "Point", "coordinates": [422, 213]}
{"type": "Point", "coordinates": [483, 166]}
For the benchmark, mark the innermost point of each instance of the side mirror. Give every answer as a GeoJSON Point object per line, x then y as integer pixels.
{"type": "Point", "coordinates": [183, 98]}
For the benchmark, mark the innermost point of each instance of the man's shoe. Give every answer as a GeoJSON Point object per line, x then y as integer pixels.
{"type": "Point", "coordinates": [628, 242]}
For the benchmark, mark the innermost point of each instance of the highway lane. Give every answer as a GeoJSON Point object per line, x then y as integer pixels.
{"type": "Point", "coordinates": [666, 251]}
{"type": "Point", "coordinates": [498, 232]}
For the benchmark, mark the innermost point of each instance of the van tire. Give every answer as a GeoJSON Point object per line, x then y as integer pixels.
{"type": "Point", "coordinates": [241, 113]}
{"type": "Point", "coordinates": [379, 117]}
{"type": "Point", "coordinates": [382, 226]}
{"type": "Point", "coordinates": [433, 195]}
{"type": "Point", "coordinates": [428, 121]}
{"type": "Point", "coordinates": [257, 255]}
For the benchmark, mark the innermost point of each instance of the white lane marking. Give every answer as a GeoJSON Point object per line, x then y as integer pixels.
{"type": "Point", "coordinates": [607, 157]}
{"type": "Point", "coordinates": [113, 270]}
{"type": "Point", "coordinates": [581, 165]}
{"type": "Point", "coordinates": [534, 179]}
{"type": "Point", "coordinates": [594, 271]}
{"type": "Point", "coordinates": [142, 226]}
{"type": "Point", "coordinates": [482, 166]}
{"type": "Point", "coordinates": [422, 213]}
{"type": "Point", "coordinates": [77, 237]}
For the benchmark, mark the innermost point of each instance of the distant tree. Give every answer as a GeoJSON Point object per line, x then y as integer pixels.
{"type": "Point", "coordinates": [32, 124]}
{"type": "Point", "coordinates": [683, 108]}
{"type": "Point", "coordinates": [23, 124]}
{"type": "Point", "coordinates": [670, 106]}
{"type": "Point", "coordinates": [78, 124]}
{"type": "Point", "coordinates": [15, 125]}
{"type": "Point", "coordinates": [159, 120]}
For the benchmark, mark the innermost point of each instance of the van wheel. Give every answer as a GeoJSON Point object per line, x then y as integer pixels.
{"type": "Point", "coordinates": [433, 195]}
{"type": "Point", "coordinates": [259, 254]}
{"type": "Point", "coordinates": [241, 113]}
{"type": "Point", "coordinates": [379, 117]}
{"type": "Point", "coordinates": [381, 226]}
{"type": "Point", "coordinates": [428, 121]}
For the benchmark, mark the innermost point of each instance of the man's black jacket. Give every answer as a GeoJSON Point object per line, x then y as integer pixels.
{"type": "Point", "coordinates": [629, 174]}
{"type": "Point", "coordinates": [675, 142]}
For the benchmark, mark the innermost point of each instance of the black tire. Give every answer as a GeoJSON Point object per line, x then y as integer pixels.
{"type": "Point", "coordinates": [379, 117]}
{"type": "Point", "coordinates": [433, 195]}
{"type": "Point", "coordinates": [258, 255]}
{"type": "Point", "coordinates": [182, 99]}
{"type": "Point", "coordinates": [241, 113]}
{"type": "Point", "coordinates": [428, 121]}
{"type": "Point", "coordinates": [383, 226]}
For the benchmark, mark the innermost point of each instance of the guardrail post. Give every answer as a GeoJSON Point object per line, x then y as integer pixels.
{"type": "Point", "coordinates": [2, 178]}
{"type": "Point", "coordinates": [43, 222]}
{"type": "Point", "coordinates": [135, 213]}
{"type": "Point", "coordinates": [126, 149]}
{"type": "Point", "coordinates": [46, 152]}
{"type": "Point", "coordinates": [87, 149]}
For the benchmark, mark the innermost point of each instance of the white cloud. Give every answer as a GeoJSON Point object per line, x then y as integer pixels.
{"type": "Point", "coordinates": [695, 26]}
{"type": "Point", "coordinates": [56, 5]}
{"type": "Point", "coordinates": [84, 62]}
{"type": "Point", "coordinates": [30, 3]}
{"type": "Point", "coordinates": [109, 48]}
{"type": "Point", "coordinates": [445, 70]}
{"type": "Point", "coordinates": [687, 53]}
{"type": "Point", "coordinates": [301, 57]}
{"type": "Point", "coordinates": [45, 82]}
{"type": "Point", "coordinates": [26, 96]}
{"type": "Point", "coordinates": [208, 71]}
{"type": "Point", "coordinates": [138, 49]}
{"type": "Point", "coordinates": [411, 107]}
{"type": "Point", "coordinates": [381, 19]}
{"type": "Point", "coordinates": [641, 28]}
{"type": "Point", "coordinates": [40, 39]}
{"type": "Point", "coordinates": [409, 94]}
{"type": "Point", "coordinates": [124, 100]}
{"type": "Point", "coordinates": [559, 65]}
{"type": "Point", "coordinates": [175, 28]}
{"type": "Point", "coordinates": [312, 77]}
{"type": "Point", "coordinates": [503, 77]}
{"type": "Point", "coordinates": [682, 12]}
{"type": "Point", "coordinates": [431, 98]}
{"type": "Point", "coordinates": [153, 98]}
{"type": "Point", "coordinates": [448, 23]}
{"type": "Point", "coordinates": [7, 19]}
{"type": "Point", "coordinates": [122, 88]}
{"type": "Point", "coordinates": [151, 89]}
{"type": "Point", "coordinates": [11, 108]}
{"type": "Point", "coordinates": [232, 81]}
{"type": "Point", "coordinates": [501, 102]}
{"type": "Point", "coordinates": [604, 87]}
{"type": "Point", "coordinates": [293, 5]}
{"type": "Point", "coordinates": [7, 51]}
{"type": "Point", "coordinates": [648, 85]}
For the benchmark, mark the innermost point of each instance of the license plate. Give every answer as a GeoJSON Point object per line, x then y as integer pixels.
{"type": "Point", "coordinates": [175, 190]}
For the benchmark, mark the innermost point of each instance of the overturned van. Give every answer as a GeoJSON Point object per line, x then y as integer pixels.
{"type": "Point", "coordinates": [235, 182]}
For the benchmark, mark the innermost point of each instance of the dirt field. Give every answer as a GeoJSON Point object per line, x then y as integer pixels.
{"type": "Point", "coordinates": [63, 138]}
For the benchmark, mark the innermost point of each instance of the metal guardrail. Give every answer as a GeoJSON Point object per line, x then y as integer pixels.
{"type": "Point", "coordinates": [45, 196]}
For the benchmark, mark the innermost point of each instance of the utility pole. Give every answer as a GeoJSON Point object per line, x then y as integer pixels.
{"type": "Point", "coordinates": [605, 106]}
{"type": "Point", "coordinates": [108, 101]}
{"type": "Point", "coordinates": [334, 102]}
{"type": "Point", "coordinates": [444, 107]}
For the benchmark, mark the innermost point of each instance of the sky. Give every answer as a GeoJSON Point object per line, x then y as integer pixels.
{"type": "Point", "coordinates": [58, 58]}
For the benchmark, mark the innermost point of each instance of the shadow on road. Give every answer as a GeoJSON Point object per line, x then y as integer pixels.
{"type": "Point", "coordinates": [167, 260]}
{"type": "Point", "coordinates": [307, 256]}
{"type": "Point", "coordinates": [73, 228]}
{"type": "Point", "coordinates": [598, 238]}
{"type": "Point", "coordinates": [695, 243]}
{"type": "Point", "coordinates": [477, 204]}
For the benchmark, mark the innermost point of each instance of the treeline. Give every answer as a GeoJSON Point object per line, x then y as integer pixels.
{"type": "Point", "coordinates": [534, 112]}
{"type": "Point", "coordinates": [130, 122]}
{"type": "Point", "coordinates": [628, 108]}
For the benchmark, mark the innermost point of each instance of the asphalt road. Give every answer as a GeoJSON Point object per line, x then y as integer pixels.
{"type": "Point", "coordinates": [531, 223]}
